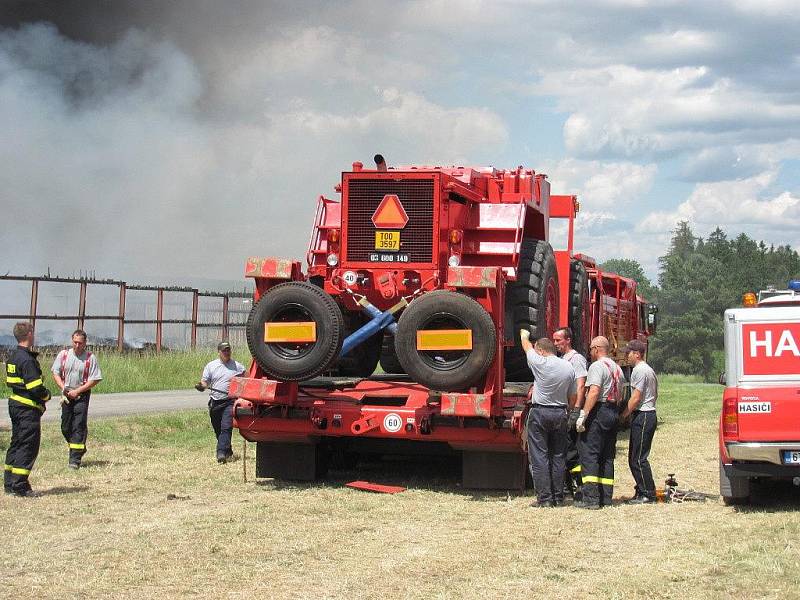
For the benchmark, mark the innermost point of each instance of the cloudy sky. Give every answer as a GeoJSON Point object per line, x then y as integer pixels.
{"type": "Point", "coordinates": [159, 139]}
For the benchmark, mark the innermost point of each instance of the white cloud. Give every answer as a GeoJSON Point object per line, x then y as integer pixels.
{"type": "Point", "coordinates": [635, 112]}
{"type": "Point", "coordinates": [602, 185]}
{"type": "Point", "coordinates": [743, 204]}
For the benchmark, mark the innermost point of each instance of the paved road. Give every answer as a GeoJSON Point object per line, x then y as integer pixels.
{"type": "Point", "coordinates": [130, 403]}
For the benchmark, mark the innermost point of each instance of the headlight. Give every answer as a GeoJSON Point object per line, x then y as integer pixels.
{"type": "Point", "coordinates": [333, 260]}
{"type": "Point", "coordinates": [454, 260]}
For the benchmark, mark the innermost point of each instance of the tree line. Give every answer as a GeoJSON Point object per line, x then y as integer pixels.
{"type": "Point", "coordinates": [697, 280]}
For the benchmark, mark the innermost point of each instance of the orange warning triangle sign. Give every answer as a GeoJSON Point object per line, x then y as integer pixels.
{"type": "Point", "coordinates": [390, 213]}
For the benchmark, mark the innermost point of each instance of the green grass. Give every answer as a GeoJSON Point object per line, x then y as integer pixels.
{"type": "Point", "coordinates": [145, 372]}
{"type": "Point", "coordinates": [685, 397]}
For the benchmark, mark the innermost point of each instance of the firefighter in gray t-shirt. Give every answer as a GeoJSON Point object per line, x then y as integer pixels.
{"type": "Point", "coordinates": [598, 422]}
{"type": "Point", "coordinates": [553, 393]}
{"type": "Point", "coordinates": [642, 410]}
{"type": "Point", "coordinates": [76, 372]}
{"type": "Point", "coordinates": [562, 339]}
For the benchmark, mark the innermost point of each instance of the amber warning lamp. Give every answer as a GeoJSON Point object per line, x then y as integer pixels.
{"type": "Point", "coordinates": [749, 299]}
{"type": "Point", "coordinates": [390, 213]}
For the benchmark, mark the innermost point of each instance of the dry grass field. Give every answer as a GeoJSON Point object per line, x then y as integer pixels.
{"type": "Point", "coordinates": [153, 516]}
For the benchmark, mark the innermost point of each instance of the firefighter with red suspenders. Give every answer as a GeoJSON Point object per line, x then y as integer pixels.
{"type": "Point", "coordinates": [598, 422]}
{"type": "Point", "coordinates": [76, 372]}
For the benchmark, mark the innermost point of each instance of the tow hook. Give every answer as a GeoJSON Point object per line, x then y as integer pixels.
{"type": "Point", "coordinates": [425, 426]}
{"type": "Point", "coordinates": [319, 421]}
{"type": "Point", "coordinates": [365, 424]}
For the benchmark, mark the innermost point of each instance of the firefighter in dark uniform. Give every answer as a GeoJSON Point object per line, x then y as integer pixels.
{"type": "Point", "coordinates": [25, 407]}
{"type": "Point", "coordinates": [562, 338]}
{"type": "Point", "coordinates": [598, 423]}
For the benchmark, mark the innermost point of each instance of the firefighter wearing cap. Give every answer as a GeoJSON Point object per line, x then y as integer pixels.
{"type": "Point", "coordinates": [217, 376]}
{"type": "Point", "coordinates": [598, 423]}
{"type": "Point", "coordinates": [76, 371]}
{"type": "Point", "coordinates": [26, 403]}
{"type": "Point", "coordinates": [641, 409]}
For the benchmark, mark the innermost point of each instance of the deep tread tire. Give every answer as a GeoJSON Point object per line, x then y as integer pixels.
{"type": "Point", "coordinates": [362, 360]}
{"type": "Point", "coordinates": [314, 358]}
{"type": "Point", "coordinates": [527, 305]}
{"type": "Point", "coordinates": [579, 309]}
{"type": "Point", "coordinates": [389, 361]}
{"type": "Point", "coordinates": [444, 304]}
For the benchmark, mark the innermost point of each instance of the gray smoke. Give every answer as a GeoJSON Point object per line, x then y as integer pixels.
{"type": "Point", "coordinates": [173, 139]}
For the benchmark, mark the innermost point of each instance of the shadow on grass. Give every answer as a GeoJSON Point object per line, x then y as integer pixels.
{"type": "Point", "coordinates": [428, 473]}
{"type": "Point", "coordinates": [772, 497]}
{"type": "Point", "coordinates": [61, 490]}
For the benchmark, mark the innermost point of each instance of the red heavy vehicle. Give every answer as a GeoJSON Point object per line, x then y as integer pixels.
{"type": "Point", "coordinates": [431, 271]}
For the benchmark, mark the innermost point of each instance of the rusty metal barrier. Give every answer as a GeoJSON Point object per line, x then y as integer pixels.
{"type": "Point", "coordinates": [225, 323]}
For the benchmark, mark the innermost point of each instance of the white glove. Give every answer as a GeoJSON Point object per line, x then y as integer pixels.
{"type": "Point", "coordinates": [579, 424]}
{"type": "Point", "coordinates": [524, 335]}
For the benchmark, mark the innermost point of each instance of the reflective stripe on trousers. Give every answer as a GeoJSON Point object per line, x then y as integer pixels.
{"type": "Point", "coordinates": [598, 447]}
{"type": "Point", "coordinates": [17, 470]}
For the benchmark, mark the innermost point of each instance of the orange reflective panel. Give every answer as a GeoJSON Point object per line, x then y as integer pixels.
{"type": "Point", "coordinates": [301, 332]}
{"type": "Point", "coordinates": [390, 213]}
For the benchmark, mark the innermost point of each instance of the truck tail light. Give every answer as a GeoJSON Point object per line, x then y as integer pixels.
{"type": "Point", "coordinates": [730, 419]}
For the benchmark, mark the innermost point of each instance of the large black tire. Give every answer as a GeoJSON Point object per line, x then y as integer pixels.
{"type": "Point", "coordinates": [361, 360]}
{"type": "Point", "coordinates": [446, 370]}
{"type": "Point", "coordinates": [389, 360]}
{"type": "Point", "coordinates": [580, 317]}
{"type": "Point", "coordinates": [532, 303]}
{"type": "Point", "coordinates": [296, 301]}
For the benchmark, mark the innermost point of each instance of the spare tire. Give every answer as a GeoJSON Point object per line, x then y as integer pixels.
{"type": "Point", "coordinates": [361, 360]}
{"type": "Point", "coordinates": [389, 361]}
{"type": "Point", "coordinates": [580, 316]}
{"type": "Point", "coordinates": [446, 370]}
{"type": "Point", "coordinates": [296, 301]}
{"type": "Point", "coordinates": [532, 303]}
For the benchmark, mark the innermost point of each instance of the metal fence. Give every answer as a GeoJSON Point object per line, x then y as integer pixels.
{"type": "Point", "coordinates": [225, 318]}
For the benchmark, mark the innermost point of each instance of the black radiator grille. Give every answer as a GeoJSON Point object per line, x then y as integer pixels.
{"type": "Point", "coordinates": [416, 196]}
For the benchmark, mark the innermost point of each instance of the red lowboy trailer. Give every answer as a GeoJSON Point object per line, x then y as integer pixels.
{"type": "Point", "coordinates": [432, 272]}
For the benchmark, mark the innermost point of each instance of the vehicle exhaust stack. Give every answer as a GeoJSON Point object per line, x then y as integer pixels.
{"type": "Point", "coordinates": [380, 163]}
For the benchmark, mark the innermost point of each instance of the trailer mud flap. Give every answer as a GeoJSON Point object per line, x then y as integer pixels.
{"type": "Point", "coordinates": [493, 470]}
{"type": "Point", "coordinates": [292, 461]}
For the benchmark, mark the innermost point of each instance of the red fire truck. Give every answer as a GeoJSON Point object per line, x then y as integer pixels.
{"type": "Point", "coordinates": [759, 433]}
{"type": "Point", "coordinates": [432, 271]}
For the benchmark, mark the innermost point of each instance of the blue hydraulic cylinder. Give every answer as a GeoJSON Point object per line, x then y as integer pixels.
{"type": "Point", "coordinates": [373, 312]}
{"type": "Point", "coordinates": [379, 321]}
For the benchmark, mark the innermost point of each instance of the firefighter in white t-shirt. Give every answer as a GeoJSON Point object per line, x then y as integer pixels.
{"type": "Point", "coordinates": [76, 372]}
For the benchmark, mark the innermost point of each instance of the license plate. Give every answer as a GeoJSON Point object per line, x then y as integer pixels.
{"type": "Point", "coordinates": [388, 258]}
{"type": "Point", "coordinates": [791, 457]}
{"type": "Point", "coordinates": [387, 241]}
